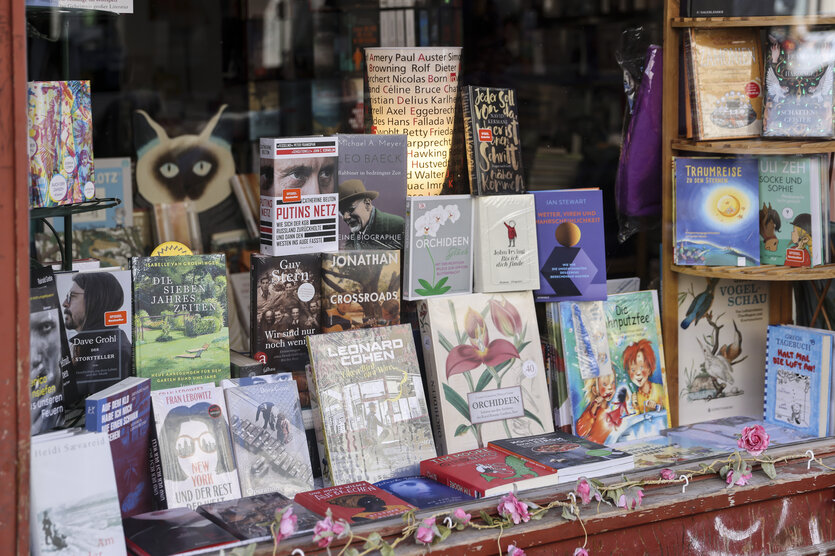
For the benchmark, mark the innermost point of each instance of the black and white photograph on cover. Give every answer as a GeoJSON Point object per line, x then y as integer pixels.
{"type": "Point", "coordinates": [313, 175]}
{"type": "Point", "coordinates": [45, 378]}
{"type": "Point", "coordinates": [370, 226]}
{"type": "Point", "coordinates": [192, 438]}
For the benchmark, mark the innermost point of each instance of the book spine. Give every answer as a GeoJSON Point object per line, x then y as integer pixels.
{"type": "Point", "coordinates": [768, 372]}
{"type": "Point", "coordinates": [407, 253]}
{"type": "Point", "coordinates": [431, 470]}
{"type": "Point", "coordinates": [433, 388]}
{"type": "Point", "coordinates": [318, 420]}
{"type": "Point", "coordinates": [253, 307]}
{"type": "Point", "coordinates": [469, 136]}
{"type": "Point", "coordinates": [692, 83]}
{"type": "Point", "coordinates": [92, 419]}
{"type": "Point", "coordinates": [158, 493]}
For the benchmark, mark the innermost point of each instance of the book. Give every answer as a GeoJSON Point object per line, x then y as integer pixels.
{"type": "Point", "coordinates": [123, 412]}
{"type": "Point", "coordinates": [375, 421]}
{"type": "Point", "coordinates": [372, 191]}
{"type": "Point", "coordinates": [299, 199]}
{"type": "Point", "coordinates": [174, 531]}
{"type": "Point", "coordinates": [113, 180]}
{"type": "Point", "coordinates": [241, 366]}
{"type": "Point", "coordinates": [798, 379]}
{"type": "Point", "coordinates": [494, 151]}
{"type": "Point", "coordinates": [60, 143]}
{"type": "Point", "coordinates": [660, 451]}
{"type": "Point", "coordinates": [357, 502]}
{"type": "Point", "coordinates": [725, 80]}
{"type": "Point", "coordinates": [721, 347]}
{"type": "Point", "coordinates": [723, 433]}
{"type": "Point", "coordinates": [51, 382]}
{"type": "Point", "coordinates": [558, 383]}
{"type": "Point", "coordinates": [74, 506]}
{"type": "Point", "coordinates": [99, 325]}
{"type": "Point", "coordinates": [570, 241]}
{"type": "Point", "coordinates": [249, 518]}
{"type": "Point", "coordinates": [180, 331]}
{"type": "Point", "coordinates": [195, 448]}
{"type": "Point", "coordinates": [360, 289]}
{"type": "Point", "coordinates": [239, 296]}
{"type": "Point", "coordinates": [268, 438]}
{"type": "Point", "coordinates": [285, 308]}
{"type": "Point", "coordinates": [505, 256]}
{"type": "Point", "coordinates": [716, 211]}
{"type": "Point", "coordinates": [178, 221]}
{"type": "Point", "coordinates": [438, 257]}
{"type": "Point", "coordinates": [234, 382]}
{"type": "Point", "coordinates": [484, 369]}
{"type": "Point", "coordinates": [485, 472]}
{"type": "Point", "coordinates": [424, 493]}
{"type": "Point", "coordinates": [743, 8]}
{"type": "Point", "coordinates": [570, 456]}
{"type": "Point", "coordinates": [798, 83]}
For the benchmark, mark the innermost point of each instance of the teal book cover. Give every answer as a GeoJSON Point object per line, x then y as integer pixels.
{"type": "Point", "coordinates": [716, 211]}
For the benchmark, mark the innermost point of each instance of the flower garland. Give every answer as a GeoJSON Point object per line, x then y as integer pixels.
{"type": "Point", "coordinates": [736, 470]}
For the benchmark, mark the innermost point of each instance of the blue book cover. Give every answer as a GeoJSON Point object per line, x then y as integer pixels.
{"type": "Point", "coordinates": [716, 202]}
{"type": "Point", "coordinates": [571, 245]}
{"type": "Point", "coordinates": [112, 180]}
{"type": "Point", "coordinates": [722, 434]}
{"type": "Point", "coordinates": [423, 492]}
{"type": "Point", "coordinates": [797, 378]}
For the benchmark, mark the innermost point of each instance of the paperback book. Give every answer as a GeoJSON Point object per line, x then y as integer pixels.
{"type": "Point", "coordinates": [180, 328]}
{"type": "Point", "coordinates": [249, 518]}
{"type": "Point", "coordinates": [174, 531]}
{"type": "Point", "coordinates": [723, 433]}
{"type": "Point", "coordinates": [558, 383]}
{"type": "Point", "coordinates": [113, 181]}
{"type": "Point", "coordinates": [357, 502]}
{"type": "Point", "coordinates": [744, 8]}
{"type": "Point", "coordinates": [424, 493]}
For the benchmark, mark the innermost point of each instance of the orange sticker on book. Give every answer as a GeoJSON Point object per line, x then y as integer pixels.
{"type": "Point", "coordinates": [291, 195]}
{"type": "Point", "coordinates": [115, 318]}
{"type": "Point", "coordinates": [485, 135]}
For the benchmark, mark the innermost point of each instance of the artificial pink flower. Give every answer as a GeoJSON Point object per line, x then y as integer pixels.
{"type": "Point", "coordinates": [426, 532]}
{"type": "Point", "coordinates": [510, 507]}
{"type": "Point", "coordinates": [581, 552]}
{"type": "Point", "coordinates": [668, 474]}
{"type": "Point", "coordinates": [461, 517]}
{"type": "Point", "coordinates": [634, 503]}
{"type": "Point", "coordinates": [287, 523]}
{"type": "Point", "coordinates": [467, 357]}
{"type": "Point", "coordinates": [754, 440]}
{"type": "Point", "coordinates": [505, 317]}
{"type": "Point", "coordinates": [742, 480]}
{"type": "Point", "coordinates": [512, 550]}
{"type": "Point", "coordinates": [584, 490]}
{"type": "Point", "coordinates": [327, 529]}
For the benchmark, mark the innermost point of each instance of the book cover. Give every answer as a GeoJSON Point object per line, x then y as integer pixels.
{"type": "Point", "coordinates": [726, 80]}
{"type": "Point", "coordinates": [424, 493]}
{"type": "Point", "coordinates": [250, 518]}
{"type": "Point", "coordinates": [716, 211]}
{"type": "Point", "coordinates": [195, 446]}
{"type": "Point", "coordinates": [372, 191]}
{"type": "Point", "coordinates": [494, 151]}
{"type": "Point", "coordinates": [506, 256]}
{"type": "Point", "coordinates": [113, 181]}
{"type": "Point", "coordinates": [123, 411]}
{"type": "Point", "coordinates": [485, 472]}
{"type": "Point", "coordinates": [99, 325]}
{"type": "Point", "coordinates": [721, 347]}
{"type": "Point", "coordinates": [285, 307]}
{"type": "Point", "coordinates": [790, 210]}
{"type": "Point", "coordinates": [180, 326]}
{"type": "Point", "coordinates": [360, 289]}
{"type": "Point", "coordinates": [268, 438]}
{"type": "Point", "coordinates": [357, 502]}
{"type": "Point", "coordinates": [743, 8]}
{"type": "Point", "coordinates": [74, 507]}
{"type": "Point", "coordinates": [484, 369]}
{"type": "Point", "coordinates": [570, 240]}
{"type": "Point", "coordinates": [173, 531]}
{"type": "Point", "coordinates": [371, 400]}
{"type": "Point", "coordinates": [560, 400]}
{"type": "Point", "coordinates": [723, 433]}
{"type": "Point", "coordinates": [798, 83]}
{"type": "Point", "coordinates": [257, 379]}
{"type": "Point", "coordinates": [239, 296]}
{"type": "Point", "coordinates": [798, 375]}
{"type": "Point", "coordinates": [60, 145]}
{"type": "Point", "coordinates": [438, 257]}
{"type": "Point", "coordinates": [660, 451]}
{"type": "Point", "coordinates": [299, 199]}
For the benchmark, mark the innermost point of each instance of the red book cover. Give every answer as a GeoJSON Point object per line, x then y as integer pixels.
{"type": "Point", "coordinates": [355, 502]}
{"type": "Point", "coordinates": [485, 472]}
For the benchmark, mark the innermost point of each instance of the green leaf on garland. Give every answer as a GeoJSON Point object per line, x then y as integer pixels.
{"type": "Point", "coordinates": [486, 517]}
{"type": "Point", "coordinates": [537, 516]}
{"type": "Point", "coordinates": [768, 469]}
{"type": "Point", "coordinates": [455, 399]}
{"type": "Point", "coordinates": [443, 532]}
{"type": "Point", "coordinates": [373, 541]}
{"type": "Point", "coordinates": [386, 550]}
{"type": "Point", "coordinates": [568, 514]}
{"type": "Point", "coordinates": [462, 430]}
{"type": "Point", "coordinates": [351, 552]}
{"type": "Point", "coordinates": [723, 472]}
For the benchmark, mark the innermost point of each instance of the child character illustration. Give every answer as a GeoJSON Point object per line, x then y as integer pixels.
{"type": "Point", "coordinates": [799, 252]}
{"type": "Point", "coordinates": [620, 408]}
{"type": "Point", "coordinates": [511, 233]}
{"type": "Point", "coordinates": [639, 362]}
{"type": "Point", "coordinates": [593, 423]}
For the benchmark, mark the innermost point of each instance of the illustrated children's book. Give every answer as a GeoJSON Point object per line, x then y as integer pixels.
{"type": "Point", "coordinates": [423, 492]}
{"type": "Point", "coordinates": [357, 502]}
{"type": "Point", "coordinates": [723, 434]}
{"type": "Point", "coordinates": [250, 518]}
{"type": "Point", "coordinates": [716, 211]}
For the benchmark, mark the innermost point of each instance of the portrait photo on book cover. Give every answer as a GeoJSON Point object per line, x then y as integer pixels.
{"type": "Point", "coordinates": [370, 227]}
{"type": "Point", "coordinates": [310, 175]}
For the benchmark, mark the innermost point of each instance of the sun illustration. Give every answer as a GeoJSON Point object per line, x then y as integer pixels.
{"type": "Point", "coordinates": [727, 204]}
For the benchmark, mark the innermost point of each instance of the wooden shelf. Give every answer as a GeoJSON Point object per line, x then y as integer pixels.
{"type": "Point", "coordinates": [755, 146]}
{"type": "Point", "coordinates": [762, 272]}
{"type": "Point", "coordinates": [768, 21]}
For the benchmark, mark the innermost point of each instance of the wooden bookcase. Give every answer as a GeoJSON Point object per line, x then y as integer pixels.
{"type": "Point", "coordinates": [781, 278]}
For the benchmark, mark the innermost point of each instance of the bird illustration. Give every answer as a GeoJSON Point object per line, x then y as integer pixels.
{"type": "Point", "coordinates": [701, 304]}
{"type": "Point", "coordinates": [719, 369]}
{"type": "Point", "coordinates": [731, 351]}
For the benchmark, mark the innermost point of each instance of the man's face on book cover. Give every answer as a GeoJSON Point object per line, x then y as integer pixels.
{"type": "Point", "coordinates": [310, 175]}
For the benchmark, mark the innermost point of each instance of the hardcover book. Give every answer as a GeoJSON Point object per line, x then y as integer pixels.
{"type": "Point", "coordinates": [505, 244]}
{"type": "Point", "coordinates": [424, 493]}
{"type": "Point", "coordinates": [174, 531]}
{"type": "Point", "coordinates": [180, 331]}
{"type": "Point", "coordinates": [249, 518]}
{"type": "Point", "coordinates": [194, 446]}
{"type": "Point", "coordinates": [357, 502]}
{"type": "Point", "coordinates": [438, 257]}
{"type": "Point", "coordinates": [268, 438]}
{"type": "Point", "coordinates": [372, 191]}
{"type": "Point", "coordinates": [485, 472]}
{"type": "Point", "coordinates": [360, 289]}
{"type": "Point", "coordinates": [743, 8]}
{"type": "Point", "coordinates": [494, 151]}
{"type": "Point", "coordinates": [723, 433]}
{"type": "Point", "coordinates": [721, 347]}
{"type": "Point", "coordinates": [484, 369]}
{"type": "Point", "coordinates": [298, 195]}
{"type": "Point", "coordinates": [60, 143]}
{"type": "Point", "coordinates": [798, 84]}
{"type": "Point", "coordinates": [285, 306]}
{"type": "Point", "coordinates": [113, 181]}
{"type": "Point", "coordinates": [98, 321]}
{"type": "Point", "coordinates": [74, 507]}
{"type": "Point", "coordinates": [716, 211]}
{"type": "Point", "coordinates": [123, 411]}
{"type": "Point", "coordinates": [570, 240]}
{"type": "Point", "coordinates": [725, 72]}
{"type": "Point", "coordinates": [374, 415]}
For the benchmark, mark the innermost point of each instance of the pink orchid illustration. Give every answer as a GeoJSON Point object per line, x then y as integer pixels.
{"type": "Point", "coordinates": [467, 357]}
